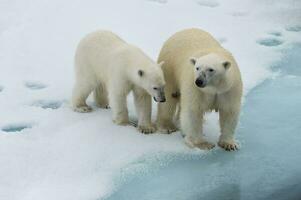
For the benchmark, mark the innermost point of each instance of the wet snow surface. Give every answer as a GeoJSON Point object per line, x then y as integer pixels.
{"type": "Point", "coordinates": [47, 151]}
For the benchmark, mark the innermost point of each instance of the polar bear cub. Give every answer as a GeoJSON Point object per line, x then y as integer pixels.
{"type": "Point", "coordinates": [201, 76]}
{"type": "Point", "coordinates": [110, 67]}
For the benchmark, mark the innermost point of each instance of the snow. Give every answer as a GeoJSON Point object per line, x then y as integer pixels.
{"type": "Point", "coordinates": [47, 151]}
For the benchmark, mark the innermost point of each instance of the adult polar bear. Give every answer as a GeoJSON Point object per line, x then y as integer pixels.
{"type": "Point", "coordinates": [112, 68]}
{"type": "Point", "coordinates": [207, 78]}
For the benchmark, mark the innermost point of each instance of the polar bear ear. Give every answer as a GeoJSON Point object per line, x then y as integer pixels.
{"type": "Point", "coordinates": [226, 65]}
{"type": "Point", "coordinates": [161, 64]}
{"type": "Point", "coordinates": [192, 60]}
{"type": "Point", "coordinates": [140, 72]}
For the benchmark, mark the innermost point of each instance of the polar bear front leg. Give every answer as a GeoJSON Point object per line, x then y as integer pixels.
{"type": "Point", "coordinates": [166, 112]}
{"type": "Point", "coordinates": [143, 104]}
{"type": "Point", "coordinates": [228, 120]}
{"type": "Point", "coordinates": [192, 128]}
{"type": "Point", "coordinates": [118, 102]}
{"type": "Point", "coordinates": [100, 95]}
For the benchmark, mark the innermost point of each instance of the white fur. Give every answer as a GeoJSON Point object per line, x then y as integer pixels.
{"type": "Point", "coordinates": [189, 55]}
{"type": "Point", "coordinates": [110, 67]}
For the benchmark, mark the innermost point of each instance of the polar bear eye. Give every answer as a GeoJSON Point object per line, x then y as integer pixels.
{"type": "Point", "coordinates": [197, 68]}
{"type": "Point", "coordinates": [155, 88]}
{"type": "Point", "coordinates": [211, 70]}
{"type": "Point", "coordinates": [140, 72]}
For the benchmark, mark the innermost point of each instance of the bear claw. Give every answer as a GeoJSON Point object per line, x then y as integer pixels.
{"type": "Point", "coordinates": [83, 109]}
{"type": "Point", "coordinates": [146, 129]}
{"type": "Point", "coordinates": [121, 122]}
{"type": "Point", "coordinates": [205, 145]}
{"type": "Point", "coordinates": [228, 146]}
{"type": "Point", "coordinates": [167, 129]}
{"type": "Point", "coordinates": [106, 107]}
{"type": "Point", "coordinates": [200, 144]}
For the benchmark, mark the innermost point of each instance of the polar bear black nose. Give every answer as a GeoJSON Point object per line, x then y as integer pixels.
{"type": "Point", "coordinates": [200, 83]}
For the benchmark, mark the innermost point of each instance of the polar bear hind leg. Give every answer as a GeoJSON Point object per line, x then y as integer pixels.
{"type": "Point", "coordinates": [80, 93]}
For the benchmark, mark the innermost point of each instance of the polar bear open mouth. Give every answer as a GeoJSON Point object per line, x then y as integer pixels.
{"type": "Point", "coordinates": [159, 95]}
{"type": "Point", "coordinates": [161, 99]}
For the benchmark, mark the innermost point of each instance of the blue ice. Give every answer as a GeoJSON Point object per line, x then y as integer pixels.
{"type": "Point", "coordinates": [294, 28]}
{"type": "Point", "coordinates": [45, 104]}
{"type": "Point", "coordinates": [266, 167]}
{"type": "Point", "coordinates": [11, 128]}
{"type": "Point", "coordinates": [35, 85]}
{"type": "Point", "coordinates": [269, 42]}
{"type": "Point", "coordinates": [275, 33]}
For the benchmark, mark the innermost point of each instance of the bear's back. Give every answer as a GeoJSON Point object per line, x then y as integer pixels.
{"type": "Point", "coordinates": [193, 39]}
{"type": "Point", "coordinates": [98, 48]}
{"type": "Point", "coordinates": [187, 42]}
{"type": "Point", "coordinates": [101, 40]}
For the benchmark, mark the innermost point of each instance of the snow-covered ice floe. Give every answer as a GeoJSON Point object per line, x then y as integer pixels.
{"type": "Point", "coordinates": [49, 152]}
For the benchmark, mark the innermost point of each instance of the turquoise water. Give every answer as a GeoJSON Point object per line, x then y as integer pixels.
{"type": "Point", "coordinates": [268, 166]}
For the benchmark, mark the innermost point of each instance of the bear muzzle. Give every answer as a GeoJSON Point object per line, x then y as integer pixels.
{"type": "Point", "coordinates": [200, 83]}
{"type": "Point", "coordinates": [160, 97]}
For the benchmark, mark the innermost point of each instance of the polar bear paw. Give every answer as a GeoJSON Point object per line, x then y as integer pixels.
{"type": "Point", "coordinates": [228, 145]}
{"type": "Point", "coordinates": [201, 144]}
{"type": "Point", "coordinates": [167, 128]}
{"type": "Point", "coordinates": [147, 129]}
{"type": "Point", "coordinates": [121, 122]}
{"type": "Point", "coordinates": [104, 106]}
{"type": "Point", "coordinates": [83, 109]}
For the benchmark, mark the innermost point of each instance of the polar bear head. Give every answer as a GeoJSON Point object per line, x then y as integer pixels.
{"type": "Point", "coordinates": [209, 69]}
{"type": "Point", "coordinates": [151, 79]}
